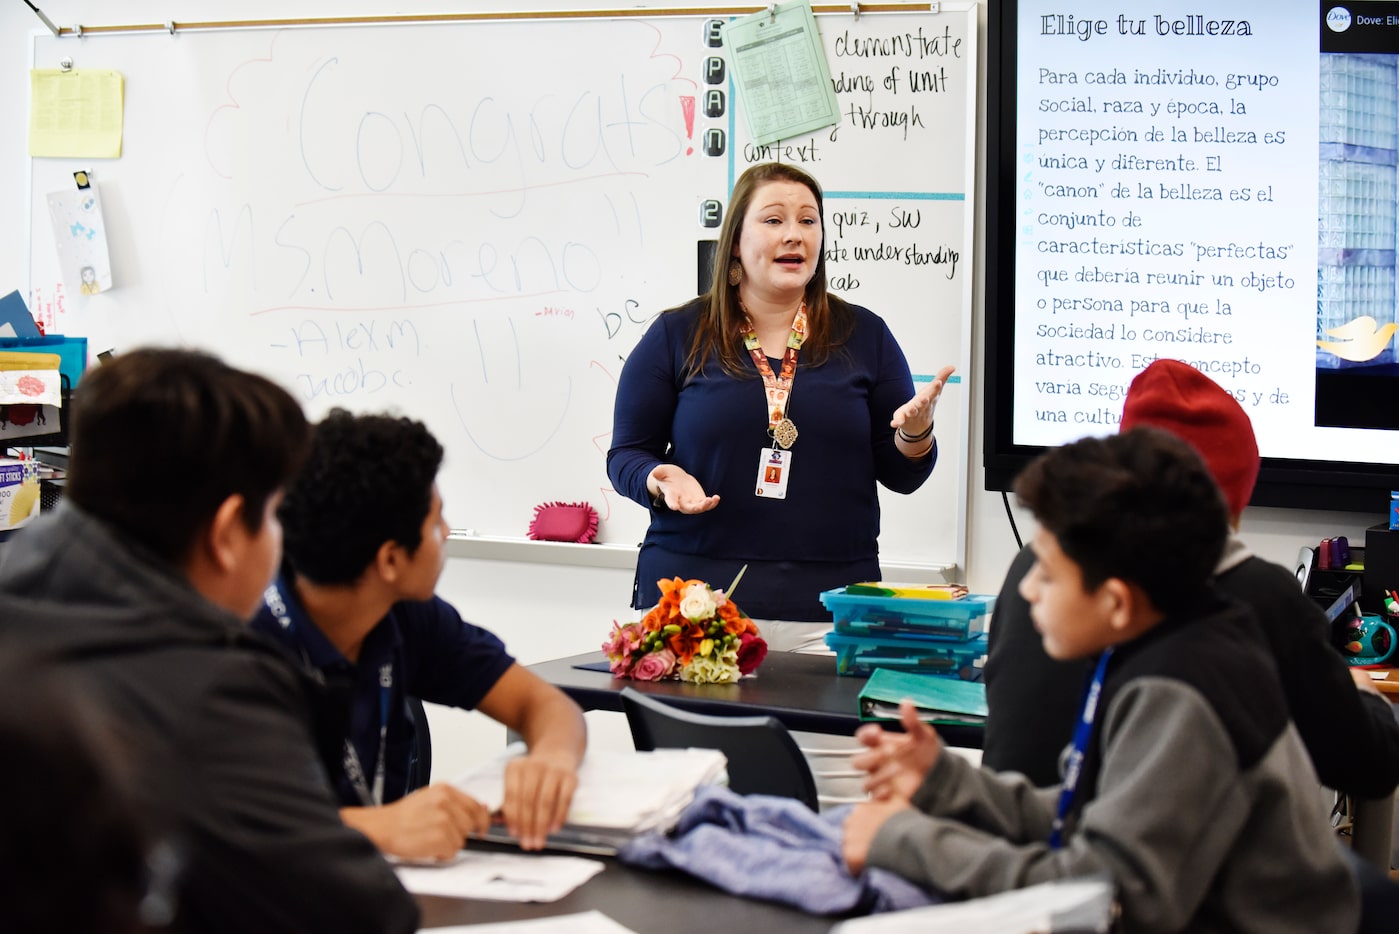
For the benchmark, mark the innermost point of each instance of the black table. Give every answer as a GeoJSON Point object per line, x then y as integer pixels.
{"type": "Point", "coordinates": [802, 691]}
{"type": "Point", "coordinates": [639, 899]}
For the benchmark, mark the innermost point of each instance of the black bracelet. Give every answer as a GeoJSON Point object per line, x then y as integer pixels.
{"type": "Point", "coordinates": [914, 439]}
{"type": "Point", "coordinates": [658, 502]}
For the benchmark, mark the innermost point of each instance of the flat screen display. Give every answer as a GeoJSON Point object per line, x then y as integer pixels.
{"type": "Point", "coordinates": [1211, 183]}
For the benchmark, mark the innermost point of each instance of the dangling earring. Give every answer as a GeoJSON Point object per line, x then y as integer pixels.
{"type": "Point", "coordinates": [735, 272]}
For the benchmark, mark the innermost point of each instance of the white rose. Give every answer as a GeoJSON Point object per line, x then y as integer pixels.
{"type": "Point", "coordinates": [698, 603]}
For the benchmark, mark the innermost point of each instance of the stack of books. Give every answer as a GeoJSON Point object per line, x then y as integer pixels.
{"type": "Point", "coordinates": [937, 629]}
{"type": "Point", "coordinates": [620, 794]}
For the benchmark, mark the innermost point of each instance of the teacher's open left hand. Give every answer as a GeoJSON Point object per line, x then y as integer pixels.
{"type": "Point", "coordinates": [915, 415]}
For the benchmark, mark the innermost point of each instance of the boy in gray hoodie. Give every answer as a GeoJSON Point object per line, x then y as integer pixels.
{"type": "Point", "coordinates": [1186, 784]}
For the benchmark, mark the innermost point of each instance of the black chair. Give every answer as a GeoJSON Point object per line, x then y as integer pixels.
{"type": "Point", "coordinates": [763, 757]}
{"type": "Point", "coordinates": [420, 769]}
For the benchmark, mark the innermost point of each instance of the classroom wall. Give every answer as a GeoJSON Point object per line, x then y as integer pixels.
{"type": "Point", "coordinates": [541, 610]}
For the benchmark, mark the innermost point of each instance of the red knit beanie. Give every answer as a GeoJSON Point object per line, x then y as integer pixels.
{"type": "Point", "coordinates": [1178, 398]}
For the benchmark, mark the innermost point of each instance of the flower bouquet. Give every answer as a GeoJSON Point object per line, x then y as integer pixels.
{"type": "Point", "coordinates": [694, 634]}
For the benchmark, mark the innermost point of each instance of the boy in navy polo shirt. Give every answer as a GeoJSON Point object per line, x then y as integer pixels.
{"type": "Point", "coordinates": [1187, 784]}
{"type": "Point", "coordinates": [364, 544]}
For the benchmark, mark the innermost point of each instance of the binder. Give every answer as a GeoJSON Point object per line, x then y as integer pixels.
{"type": "Point", "coordinates": [938, 699]}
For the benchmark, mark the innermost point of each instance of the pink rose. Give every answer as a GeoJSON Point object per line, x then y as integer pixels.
{"type": "Point", "coordinates": [752, 649]}
{"type": "Point", "coordinates": [655, 666]}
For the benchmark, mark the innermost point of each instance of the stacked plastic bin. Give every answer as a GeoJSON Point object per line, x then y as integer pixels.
{"type": "Point", "coordinates": [914, 634]}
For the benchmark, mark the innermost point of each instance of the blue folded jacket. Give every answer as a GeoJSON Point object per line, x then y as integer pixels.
{"type": "Point", "coordinates": [775, 849]}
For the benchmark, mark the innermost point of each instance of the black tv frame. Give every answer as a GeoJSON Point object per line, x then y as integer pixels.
{"type": "Point", "coordinates": [1340, 485]}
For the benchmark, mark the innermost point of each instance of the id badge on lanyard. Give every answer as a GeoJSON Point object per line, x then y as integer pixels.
{"type": "Point", "coordinates": [774, 464]}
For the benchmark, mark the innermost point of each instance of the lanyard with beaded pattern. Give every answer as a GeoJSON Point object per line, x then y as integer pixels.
{"type": "Point", "coordinates": [778, 387]}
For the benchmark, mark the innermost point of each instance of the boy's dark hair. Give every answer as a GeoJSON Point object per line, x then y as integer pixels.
{"type": "Point", "coordinates": [1140, 506]}
{"type": "Point", "coordinates": [367, 481]}
{"type": "Point", "coordinates": [161, 437]}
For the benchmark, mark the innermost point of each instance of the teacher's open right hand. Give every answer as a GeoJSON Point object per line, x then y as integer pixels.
{"type": "Point", "coordinates": [681, 492]}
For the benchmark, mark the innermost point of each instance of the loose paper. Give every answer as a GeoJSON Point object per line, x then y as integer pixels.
{"type": "Point", "coordinates": [584, 922]}
{"type": "Point", "coordinates": [81, 239]}
{"type": "Point", "coordinates": [507, 877]}
{"type": "Point", "coordinates": [1069, 905]}
{"type": "Point", "coordinates": [780, 72]}
{"type": "Point", "coordinates": [75, 114]}
{"type": "Point", "coordinates": [30, 387]}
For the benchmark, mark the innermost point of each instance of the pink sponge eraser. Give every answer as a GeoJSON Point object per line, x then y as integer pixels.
{"type": "Point", "coordinates": [564, 522]}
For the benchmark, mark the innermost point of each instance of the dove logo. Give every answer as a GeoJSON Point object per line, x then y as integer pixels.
{"type": "Point", "coordinates": [1338, 19]}
{"type": "Point", "coordinates": [1359, 340]}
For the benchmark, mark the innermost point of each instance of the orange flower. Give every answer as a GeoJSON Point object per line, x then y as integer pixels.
{"type": "Point", "coordinates": [685, 642]}
{"type": "Point", "coordinates": [735, 623]}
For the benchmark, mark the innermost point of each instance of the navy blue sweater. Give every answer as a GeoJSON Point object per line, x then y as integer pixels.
{"type": "Point", "coordinates": [824, 533]}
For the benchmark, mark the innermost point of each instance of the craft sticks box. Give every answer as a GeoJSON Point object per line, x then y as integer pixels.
{"type": "Point", "coordinates": [19, 493]}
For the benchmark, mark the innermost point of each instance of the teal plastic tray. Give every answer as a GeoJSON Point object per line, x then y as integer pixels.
{"type": "Point", "coordinates": [860, 655]}
{"type": "Point", "coordinates": [860, 614]}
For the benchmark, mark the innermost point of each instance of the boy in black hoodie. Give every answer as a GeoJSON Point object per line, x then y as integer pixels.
{"type": "Point", "coordinates": [138, 588]}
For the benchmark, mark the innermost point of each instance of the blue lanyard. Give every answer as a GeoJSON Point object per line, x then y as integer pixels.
{"type": "Point", "coordinates": [1082, 731]}
{"type": "Point", "coordinates": [279, 606]}
{"type": "Point", "coordinates": [373, 797]}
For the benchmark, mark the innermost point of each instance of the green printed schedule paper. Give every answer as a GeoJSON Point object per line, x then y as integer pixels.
{"type": "Point", "coordinates": [780, 71]}
{"type": "Point", "coordinates": [938, 699]}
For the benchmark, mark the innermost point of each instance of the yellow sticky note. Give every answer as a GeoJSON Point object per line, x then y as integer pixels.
{"type": "Point", "coordinates": [76, 113]}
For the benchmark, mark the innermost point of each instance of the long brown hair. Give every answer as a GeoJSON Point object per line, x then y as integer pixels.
{"type": "Point", "coordinates": [720, 327]}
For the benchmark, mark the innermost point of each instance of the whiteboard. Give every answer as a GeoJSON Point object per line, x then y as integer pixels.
{"type": "Point", "coordinates": [473, 223]}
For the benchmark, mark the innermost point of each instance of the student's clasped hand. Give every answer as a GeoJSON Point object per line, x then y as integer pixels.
{"type": "Point", "coordinates": [861, 827]}
{"type": "Point", "coordinates": [917, 413]}
{"type": "Point", "coordinates": [430, 823]}
{"type": "Point", "coordinates": [896, 763]}
{"type": "Point", "coordinates": [538, 791]}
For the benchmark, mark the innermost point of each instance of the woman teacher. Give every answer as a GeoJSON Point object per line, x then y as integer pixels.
{"type": "Point", "coordinates": [756, 420]}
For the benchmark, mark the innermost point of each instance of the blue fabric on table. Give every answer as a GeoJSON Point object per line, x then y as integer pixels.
{"type": "Point", "coordinates": [772, 848]}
